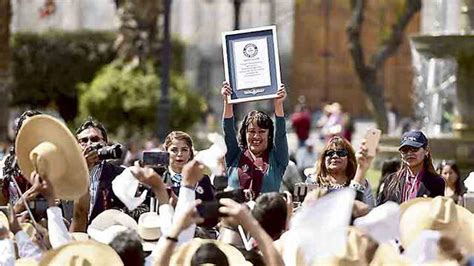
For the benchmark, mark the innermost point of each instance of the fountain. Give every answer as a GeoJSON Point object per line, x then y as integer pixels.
{"type": "Point", "coordinates": [444, 84]}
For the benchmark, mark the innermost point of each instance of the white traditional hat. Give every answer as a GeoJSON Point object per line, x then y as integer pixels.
{"type": "Point", "coordinates": [46, 145]}
{"type": "Point", "coordinates": [184, 254]}
{"type": "Point", "coordinates": [149, 230]}
{"type": "Point", "coordinates": [109, 224]}
{"type": "Point", "coordinates": [82, 253]}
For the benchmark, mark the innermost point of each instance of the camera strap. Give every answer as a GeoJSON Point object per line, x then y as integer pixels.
{"type": "Point", "coordinates": [30, 213]}
{"type": "Point", "coordinates": [245, 240]}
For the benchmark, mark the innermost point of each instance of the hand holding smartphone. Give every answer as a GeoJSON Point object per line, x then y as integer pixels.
{"type": "Point", "coordinates": [155, 158]}
{"type": "Point", "coordinates": [210, 209]}
{"type": "Point", "coordinates": [372, 138]}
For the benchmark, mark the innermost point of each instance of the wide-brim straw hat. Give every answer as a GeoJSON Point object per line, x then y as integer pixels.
{"type": "Point", "coordinates": [46, 145]}
{"type": "Point", "coordinates": [184, 254]}
{"type": "Point", "coordinates": [439, 214]}
{"type": "Point", "coordinates": [89, 253]}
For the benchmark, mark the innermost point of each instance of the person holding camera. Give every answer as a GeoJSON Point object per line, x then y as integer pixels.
{"type": "Point", "coordinates": [92, 138]}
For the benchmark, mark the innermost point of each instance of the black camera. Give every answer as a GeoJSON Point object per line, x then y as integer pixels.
{"type": "Point", "coordinates": [210, 209]}
{"type": "Point", "coordinates": [108, 152]}
{"type": "Point", "coordinates": [38, 208]}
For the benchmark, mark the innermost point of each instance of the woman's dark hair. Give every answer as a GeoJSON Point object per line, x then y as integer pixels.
{"type": "Point", "coordinates": [263, 121]}
{"type": "Point", "coordinates": [91, 123]}
{"type": "Point", "coordinates": [129, 247]}
{"type": "Point", "coordinates": [459, 186]}
{"type": "Point", "coordinates": [180, 135]}
{"type": "Point", "coordinates": [209, 253]}
{"type": "Point", "coordinates": [393, 184]}
{"type": "Point", "coordinates": [336, 142]}
{"type": "Point", "coordinates": [271, 213]}
{"type": "Point", "coordinates": [11, 168]}
{"type": "Point", "coordinates": [389, 166]}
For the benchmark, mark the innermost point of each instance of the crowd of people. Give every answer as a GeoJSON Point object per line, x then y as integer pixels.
{"type": "Point", "coordinates": [250, 211]}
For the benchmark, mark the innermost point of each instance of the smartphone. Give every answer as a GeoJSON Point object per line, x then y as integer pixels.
{"type": "Point", "coordinates": [155, 158]}
{"type": "Point", "coordinates": [220, 182]}
{"type": "Point", "coordinates": [209, 209]}
{"type": "Point", "coordinates": [236, 195]}
{"type": "Point", "coordinates": [302, 189]}
{"type": "Point", "coordinates": [372, 138]}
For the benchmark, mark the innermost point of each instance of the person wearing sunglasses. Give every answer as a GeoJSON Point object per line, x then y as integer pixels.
{"type": "Point", "coordinates": [339, 166]}
{"type": "Point", "coordinates": [416, 177]}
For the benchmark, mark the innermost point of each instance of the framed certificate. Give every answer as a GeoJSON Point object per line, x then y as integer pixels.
{"type": "Point", "coordinates": [251, 63]}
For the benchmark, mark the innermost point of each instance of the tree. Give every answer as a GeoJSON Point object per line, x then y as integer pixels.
{"type": "Point", "coordinates": [125, 100]}
{"type": "Point", "coordinates": [5, 55]}
{"type": "Point", "coordinates": [368, 71]}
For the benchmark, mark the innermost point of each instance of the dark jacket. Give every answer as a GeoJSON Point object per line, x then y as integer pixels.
{"type": "Point", "coordinates": [204, 189]}
{"type": "Point", "coordinates": [106, 198]}
{"type": "Point", "coordinates": [431, 186]}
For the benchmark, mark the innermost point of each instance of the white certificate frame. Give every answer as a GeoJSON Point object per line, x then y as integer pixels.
{"type": "Point", "coordinates": [257, 93]}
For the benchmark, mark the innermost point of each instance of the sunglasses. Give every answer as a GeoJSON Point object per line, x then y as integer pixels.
{"type": "Point", "coordinates": [407, 149]}
{"type": "Point", "coordinates": [339, 153]}
{"type": "Point", "coordinates": [92, 139]}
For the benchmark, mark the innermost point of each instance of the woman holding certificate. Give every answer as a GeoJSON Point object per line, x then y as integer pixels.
{"type": "Point", "coordinates": [256, 161]}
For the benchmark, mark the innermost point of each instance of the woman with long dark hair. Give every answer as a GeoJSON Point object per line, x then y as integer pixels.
{"type": "Point", "coordinates": [416, 177]}
{"type": "Point", "coordinates": [449, 170]}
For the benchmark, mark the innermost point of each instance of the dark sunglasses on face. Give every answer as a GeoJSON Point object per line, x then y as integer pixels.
{"type": "Point", "coordinates": [339, 153]}
{"type": "Point", "coordinates": [406, 149]}
{"type": "Point", "coordinates": [92, 139]}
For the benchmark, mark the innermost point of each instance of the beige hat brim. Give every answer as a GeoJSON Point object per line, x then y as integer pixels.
{"type": "Point", "coordinates": [82, 253]}
{"type": "Point", "coordinates": [184, 254]}
{"type": "Point", "coordinates": [414, 218]}
{"type": "Point", "coordinates": [44, 128]}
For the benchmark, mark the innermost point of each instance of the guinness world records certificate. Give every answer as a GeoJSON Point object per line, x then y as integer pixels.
{"type": "Point", "coordinates": [251, 63]}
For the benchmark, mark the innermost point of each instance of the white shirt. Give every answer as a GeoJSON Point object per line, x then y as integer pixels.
{"type": "Point", "coordinates": [58, 233]}
{"type": "Point", "coordinates": [26, 247]}
{"type": "Point", "coordinates": [186, 197]}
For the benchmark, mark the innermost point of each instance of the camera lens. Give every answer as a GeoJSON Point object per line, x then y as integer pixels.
{"type": "Point", "coordinates": [110, 152]}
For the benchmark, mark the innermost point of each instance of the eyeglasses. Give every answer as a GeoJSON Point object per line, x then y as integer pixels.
{"type": "Point", "coordinates": [407, 149]}
{"type": "Point", "coordinates": [92, 139]}
{"type": "Point", "coordinates": [339, 153]}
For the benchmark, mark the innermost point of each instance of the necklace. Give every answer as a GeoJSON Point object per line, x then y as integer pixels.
{"type": "Point", "coordinates": [335, 186]}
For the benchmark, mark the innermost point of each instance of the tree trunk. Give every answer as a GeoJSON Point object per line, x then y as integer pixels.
{"type": "Point", "coordinates": [5, 74]}
{"type": "Point", "coordinates": [367, 72]}
{"type": "Point", "coordinates": [137, 40]}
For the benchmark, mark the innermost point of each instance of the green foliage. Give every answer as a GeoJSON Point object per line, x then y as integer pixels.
{"type": "Point", "coordinates": [47, 66]}
{"type": "Point", "coordinates": [125, 99]}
